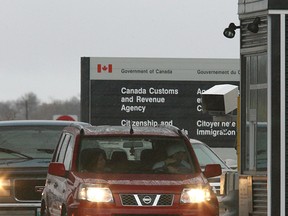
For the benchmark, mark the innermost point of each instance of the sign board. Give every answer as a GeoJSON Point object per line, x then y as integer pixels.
{"type": "Point", "coordinates": [153, 91]}
{"type": "Point", "coordinates": [66, 117]}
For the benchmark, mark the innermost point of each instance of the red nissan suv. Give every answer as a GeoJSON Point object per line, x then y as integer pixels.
{"type": "Point", "coordinates": [119, 171]}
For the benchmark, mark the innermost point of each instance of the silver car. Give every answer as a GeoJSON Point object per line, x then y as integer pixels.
{"type": "Point", "coordinates": [206, 156]}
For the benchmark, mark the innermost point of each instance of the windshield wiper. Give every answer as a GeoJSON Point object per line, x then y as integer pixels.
{"type": "Point", "coordinates": [9, 151]}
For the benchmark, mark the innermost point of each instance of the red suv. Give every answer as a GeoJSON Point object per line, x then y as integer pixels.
{"type": "Point", "coordinates": [115, 170]}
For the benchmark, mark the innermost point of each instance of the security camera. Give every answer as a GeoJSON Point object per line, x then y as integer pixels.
{"type": "Point", "coordinates": [220, 99]}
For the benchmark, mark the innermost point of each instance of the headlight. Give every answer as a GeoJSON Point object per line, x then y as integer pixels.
{"type": "Point", "coordinates": [5, 185]}
{"type": "Point", "coordinates": [95, 193]}
{"type": "Point", "coordinates": [195, 195]}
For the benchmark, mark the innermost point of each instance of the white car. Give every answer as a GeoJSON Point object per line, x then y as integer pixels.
{"type": "Point", "coordinates": [206, 156]}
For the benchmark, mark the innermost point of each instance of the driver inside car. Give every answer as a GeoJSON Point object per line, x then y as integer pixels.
{"type": "Point", "coordinates": [175, 162]}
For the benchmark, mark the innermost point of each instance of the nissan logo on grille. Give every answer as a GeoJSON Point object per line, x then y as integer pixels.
{"type": "Point", "coordinates": [147, 200]}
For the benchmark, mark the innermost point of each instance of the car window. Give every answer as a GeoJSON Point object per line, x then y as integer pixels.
{"type": "Point", "coordinates": [58, 147]}
{"type": "Point", "coordinates": [69, 154]}
{"type": "Point", "coordinates": [28, 141]}
{"type": "Point", "coordinates": [207, 156]}
{"type": "Point", "coordinates": [132, 154]}
{"type": "Point", "coordinates": [63, 148]}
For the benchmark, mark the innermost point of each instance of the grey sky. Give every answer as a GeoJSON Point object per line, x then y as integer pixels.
{"type": "Point", "coordinates": [42, 41]}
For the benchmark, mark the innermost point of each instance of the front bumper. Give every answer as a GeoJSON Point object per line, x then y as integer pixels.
{"type": "Point", "coordinates": [23, 209]}
{"type": "Point", "coordinates": [110, 210]}
{"type": "Point", "coordinates": [20, 205]}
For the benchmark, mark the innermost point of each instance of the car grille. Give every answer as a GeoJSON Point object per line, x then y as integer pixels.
{"type": "Point", "coordinates": [216, 188]}
{"type": "Point", "coordinates": [146, 199]}
{"type": "Point", "coordinates": [28, 189]}
{"type": "Point", "coordinates": [215, 185]}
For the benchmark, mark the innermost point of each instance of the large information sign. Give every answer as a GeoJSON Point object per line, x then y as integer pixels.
{"type": "Point", "coordinates": [149, 92]}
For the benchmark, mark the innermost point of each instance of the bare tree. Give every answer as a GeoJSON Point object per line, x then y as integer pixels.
{"type": "Point", "coordinates": [58, 107]}
{"type": "Point", "coordinates": [30, 107]}
{"type": "Point", "coordinates": [27, 104]}
{"type": "Point", "coordinates": [7, 111]}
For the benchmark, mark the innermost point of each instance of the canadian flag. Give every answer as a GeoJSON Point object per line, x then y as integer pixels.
{"type": "Point", "coordinates": [105, 68]}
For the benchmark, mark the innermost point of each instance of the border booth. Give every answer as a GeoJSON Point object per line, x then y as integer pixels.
{"type": "Point", "coordinates": [263, 152]}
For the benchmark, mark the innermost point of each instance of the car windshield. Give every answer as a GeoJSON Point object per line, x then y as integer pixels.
{"type": "Point", "coordinates": [206, 156]}
{"type": "Point", "coordinates": [28, 142]}
{"type": "Point", "coordinates": [134, 155]}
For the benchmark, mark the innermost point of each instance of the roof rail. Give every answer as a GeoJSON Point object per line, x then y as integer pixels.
{"type": "Point", "coordinates": [79, 126]}
{"type": "Point", "coordinates": [173, 128]}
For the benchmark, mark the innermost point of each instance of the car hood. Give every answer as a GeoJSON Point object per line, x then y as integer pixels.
{"type": "Point", "coordinates": [141, 179]}
{"type": "Point", "coordinates": [15, 163]}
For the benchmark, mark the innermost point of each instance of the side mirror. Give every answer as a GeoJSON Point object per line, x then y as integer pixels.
{"type": "Point", "coordinates": [57, 169]}
{"type": "Point", "coordinates": [212, 170]}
